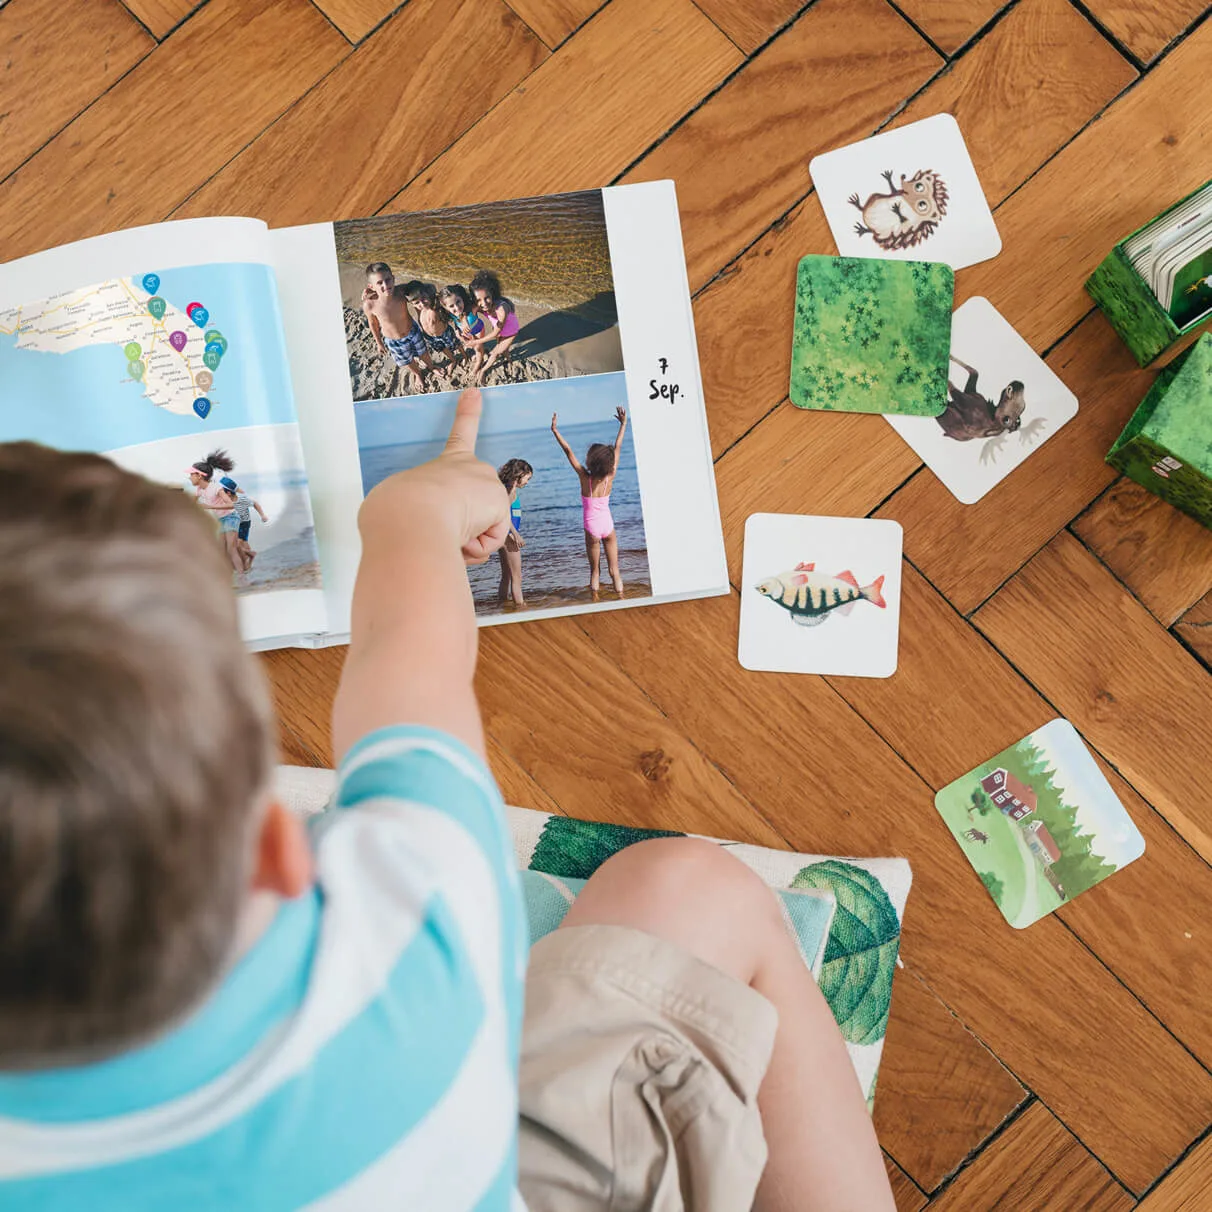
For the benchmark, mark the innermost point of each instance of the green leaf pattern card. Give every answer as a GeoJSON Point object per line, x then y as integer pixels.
{"type": "Point", "coordinates": [872, 335]}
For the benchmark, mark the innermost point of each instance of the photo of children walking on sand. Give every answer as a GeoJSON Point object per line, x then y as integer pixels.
{"type": "Point", "coordinates": [503, 292]}
{"type": "Point", "coordinates": [564, 454]}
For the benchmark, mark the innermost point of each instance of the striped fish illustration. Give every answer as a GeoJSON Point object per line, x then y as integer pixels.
{"type": "Point", "coordinates": [812, 596]}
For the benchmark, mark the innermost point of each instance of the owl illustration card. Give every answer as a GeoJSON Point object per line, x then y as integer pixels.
{"type": "Point", "coordinates": [1003, 403]}
{"type": "Point", "coordinates": [821, 595]}
{"type": "Point", "coordinates": [909, 194]}
{"type": "Point", "coordinates": [871, 336]}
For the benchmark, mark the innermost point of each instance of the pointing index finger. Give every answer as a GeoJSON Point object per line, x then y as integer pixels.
{"type": "Point", "coordinates": [466, 425]}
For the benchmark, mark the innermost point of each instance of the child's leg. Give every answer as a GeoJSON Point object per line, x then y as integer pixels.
{"type": "Point", "coordinates": [503, 589]}
{"type": "Point", "coordinates": [593, 549]}
{"type": "Point", "coordinates": [500, 353]}
{"type": "Point", "coordinates": [515, 575]}
{"type": "Point", "coordinates": [232, 551]}
{"type": "Point", "coordinates": [612, 560]}
{"type": "Point", "coordinates": [823, 1154]}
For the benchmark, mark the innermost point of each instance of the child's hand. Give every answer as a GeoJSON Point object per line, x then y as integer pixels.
{"type": "Point", "coordinates": [620, 414]}
{"type": "Point", "coordinates": [455, 492]}
{"type": "Point", "coordinates": [553, 423]}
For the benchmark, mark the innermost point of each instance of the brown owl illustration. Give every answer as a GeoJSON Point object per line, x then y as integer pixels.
{"type": "Point", "coordinates": [906, 216]}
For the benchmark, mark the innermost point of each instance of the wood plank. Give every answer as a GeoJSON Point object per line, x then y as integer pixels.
{"type": "Point", "coordinates": [949, 23]}
{"type": "Point", "coordinates": [743, 319]}
{"type": "Point", "coordinates": [1051, 619]}
{"type": "Point", "coordinates": [1186, 1187]}
{"type": "Point", "coordinates": [1036, 1163]}
{"type": "Point", "coordinates": [829, 79]}
{"type": "Point", "coordinates": [805, 462]}
{"type": "Point", "coordinates": [57, 60]}
{"type": "Point", "coordinates": [1195, 629]}
{"type": "Point", "coordinates": [645, 63]}
{"type": "Point", "coordinates": [942, 1093]}
{"type": "Point", "coordinates": [751, 23]}
{"type": "Point", "coordinates": [103, 177]}
{"type": "Point", "coordinates": [907, 1194]}
{"type": "Point", "coordinates": [967, 551]}
{"type": "Point", "coordinates": [162, 16]}
{"type": "Point", "coordinates": [1162, 555]}
{"type": "Point", "coordinates": [1148, 149]}
{"type": "Point", "coordinates": [555, 20]}
{"type": "Point", "coordinates": [356, 18]}
{"type": "Point", "coordinates": [1137, 923]}
{"type": "Point", "coordinates": [1146, 29]}
{"type": "Point", "coordinates": [468, 52]}
{"type": "Point", "coordinates": [821, 775]}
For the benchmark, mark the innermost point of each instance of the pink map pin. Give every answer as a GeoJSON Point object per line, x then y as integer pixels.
{"type": "Point", "coordinates": [177, 340]}
{"type": "Point", "coordinates": [189, 311]}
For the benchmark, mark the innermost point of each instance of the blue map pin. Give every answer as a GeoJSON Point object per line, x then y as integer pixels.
{"type": "Point", "coordinates": [215, 337]}
{"type": "Point", "coordinates": [202, 407]}
{"type": "Point", "coordinates": [151, 283]}
{"type": "Point", "coordinates": [200, 316]}
{"type": "Point", "coordinates": [215, 348]}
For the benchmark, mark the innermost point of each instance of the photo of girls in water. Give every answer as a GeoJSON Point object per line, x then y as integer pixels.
{"type": "Point", "coordinates": [504, 292]}
{"type": "Point", "coordinates": [564, 453]}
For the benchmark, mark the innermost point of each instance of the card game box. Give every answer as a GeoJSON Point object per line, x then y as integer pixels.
{"type": "Point", "coordinates": [1167, 445]}
{"type": "Point", "coordinates": [1155, 286]}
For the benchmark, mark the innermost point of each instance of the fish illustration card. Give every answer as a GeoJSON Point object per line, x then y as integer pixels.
{"type": "Point", "coordinates": [820, 595]}
{"type": "Point", "coordinates": [1039, 823]}
{"type": "Point", "coordinates": [1003, 403]}
{"type": "Point", "coordinates": [908, 193]}
{"type": "Point", "coordinates": [871, 336]}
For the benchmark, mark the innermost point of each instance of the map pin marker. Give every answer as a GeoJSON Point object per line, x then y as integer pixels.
{"type": "Point", "coordinates": [136, 370]}
{"type": "Point", "coordinates": [177, 340]}
{"type": "Point", "coordinates": [199, 316]}
{"type": "Point", "coordinates": [151, 283]}
{"type": "Point", "coordinates": [215, 337]}
{"type": "Point", "coordinates": [191, 308]}
{"type": "Point", "coordinates": [132, 351]}
{"type": "Point", "coordinates": [157, 307]}
{"type": "Point", "coordinates": [211, 358]}
{"type": "Point", "coordinates": [204, 379]}
{"type": "Point", "coordinates": [202, 407]}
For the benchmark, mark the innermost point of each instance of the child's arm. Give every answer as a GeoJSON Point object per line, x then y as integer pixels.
{"type": "Point", "coordinates": [261, 512]}
{"type": "Point", "coordinates": [376, 329]}
{"type": "Point", "coordinates": [621, 415]}
{"type": "Point", "coordinates": [412, 651]}
{"type": "Point", "coordinates": [559, 437]}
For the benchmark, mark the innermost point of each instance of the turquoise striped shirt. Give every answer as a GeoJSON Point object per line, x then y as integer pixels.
{"type": "Point", "coordinates": [362, 1055]}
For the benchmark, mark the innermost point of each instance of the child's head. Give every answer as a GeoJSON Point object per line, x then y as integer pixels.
{"type": "Point", "coordinates": [456, 299]}
{"type": "Point", "coordinates": [203, 471]}
{"type": "Point", "coordinates": [379, 275]}
{"type": "Point", "coordinates": [422, 294]}
{"type": "Point", "coordinates": [486, 288]}
{"type": "Point", "coordinates": [230, 487]}
{"type": "Point", "coordinates": [514, 473]}
{"type": "Point", "coordinates": [135, 756]}
{"type": "Point", "coordinates": [599, 460]}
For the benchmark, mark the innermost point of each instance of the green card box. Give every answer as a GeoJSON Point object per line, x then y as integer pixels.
{"type": "Point", "coordinates": [1126, 300]}
{"type": "Point", "coordinates": [871, 335]}
{"type": "Point", "coordinates": [1167, 446]}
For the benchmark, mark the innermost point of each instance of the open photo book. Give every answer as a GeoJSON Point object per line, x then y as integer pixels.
{"type": "Point", "coordinates": [276, 376]}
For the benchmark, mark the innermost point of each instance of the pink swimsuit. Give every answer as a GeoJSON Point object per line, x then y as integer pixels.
{"type": "Point", "coordinates": [596, 514]}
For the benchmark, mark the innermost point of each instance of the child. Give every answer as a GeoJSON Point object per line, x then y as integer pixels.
{"type": "Point", "coordinates": [500, 316]}
{"type": "Point", "coordinates": [204, 1007]}
{"type": "Point", "coordinates": [441, 336]}
{"type": "Point", "coordinates": [514, 474]}
{"type": "Point", "coordinates": [244, 505]}
{"type": "Point", "coordinates": [391, 323]}
{"type": "Point", "coordinates": [202, 476]}
{"type": "Point", "coordinates": [229, 524]}
{"type": "Point", "coordinates": [470, 327]}
{"type": "Point", "coordinates": [597, 479]}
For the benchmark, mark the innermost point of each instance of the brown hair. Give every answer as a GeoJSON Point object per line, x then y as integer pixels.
{"type": "Point", "coordinates": [379, 267]}
{"type": "Point", "coordinates": [511, 471]}
{"type": "Point", "coordinates": [135, 744]}
{"type": "Point", "coordinates": [599, 460]}
{"type": "Point", "coordinates": [217, 460]}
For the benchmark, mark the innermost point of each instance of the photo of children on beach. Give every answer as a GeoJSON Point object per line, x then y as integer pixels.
{"type": "Point", "coordinates": [503, 292]}
{"type": "Point", "coordinates": [564, 452]}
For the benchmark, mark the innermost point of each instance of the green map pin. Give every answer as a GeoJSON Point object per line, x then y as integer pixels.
{"type": "Point", "coordinates": [215, 337]}
{"type": "Point", "coordinates": [211, 358]}
{"type": "Point", "coordinates": [132, 351]}
{"type": "Point", "coordinates": [157, 307]}
{"type": "Point", "coordinates": [136, 370]}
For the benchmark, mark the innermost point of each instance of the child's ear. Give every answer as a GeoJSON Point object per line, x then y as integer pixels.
{"type": "Point", "coordinates": [284, 862]}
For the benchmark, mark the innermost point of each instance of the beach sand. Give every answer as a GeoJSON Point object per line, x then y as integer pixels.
{"type": "Point", "coordinates": [582, 340]}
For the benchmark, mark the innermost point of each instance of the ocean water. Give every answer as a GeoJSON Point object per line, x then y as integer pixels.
{"type": "Point", "coordinates": [550, 253]}
{"type": "Point", "coordinates": [555, 570]}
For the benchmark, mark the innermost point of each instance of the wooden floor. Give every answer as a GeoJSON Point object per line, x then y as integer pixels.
{"type": "Point", "coordinates": [1061, 1067]}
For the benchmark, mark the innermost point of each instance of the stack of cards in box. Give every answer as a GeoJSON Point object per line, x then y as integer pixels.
{"type": "Point", "coordinates": [1173, 255]}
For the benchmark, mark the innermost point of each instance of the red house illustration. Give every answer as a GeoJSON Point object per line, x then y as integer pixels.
{"type": "Point", "coordinates": [1015, 799]}
{"type": "Point", "coordinates": [1041, 843]}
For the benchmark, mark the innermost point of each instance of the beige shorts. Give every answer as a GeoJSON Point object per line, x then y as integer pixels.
{"type": "Point", "coordinates": [639, 1077]}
